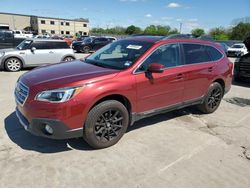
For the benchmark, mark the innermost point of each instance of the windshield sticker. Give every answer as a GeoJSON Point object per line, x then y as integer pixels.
{"type": "Point", "coordinates": [127, 63]}
{"type": "Point", "coordinates": [134, 47]}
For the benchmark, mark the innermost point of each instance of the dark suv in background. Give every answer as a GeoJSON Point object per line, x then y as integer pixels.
{"type": "Point", "coordinates": [7, 39]}
{"type": "Point", "coordinates": [90, 44]}
{"type": "Point", "coordinates": [242, 64]}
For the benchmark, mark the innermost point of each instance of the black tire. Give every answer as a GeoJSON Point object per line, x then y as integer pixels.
{"type": "Point", "coordinates": [86, 49]}
{"type": "Point", "coordinates": [13, 64]}
{"type": "Point", "coordinates": [68, 58]}
{"type": "Point", "coordinates": [106, 123]}
{"type": "Point", "coordinates": [212, 99]}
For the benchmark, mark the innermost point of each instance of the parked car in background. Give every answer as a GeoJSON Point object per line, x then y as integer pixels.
{"type": "Point", "coordinates": [112, 39]}
{"type": "Point", "coordinates": [22, 34]}
{"type": "Point", "coordinates": [90, 44]}
{"type": "Point", "coordinates": [242, 64]}
{"type": "Point", "coordinates": [225, 47]}
{"type": "Point", "coordinates": [237, 50]}
{"type": "Point", "coordinates": [127, 80]}
{"type": "Point", "coordinates": [68, 39]}
{"type": "Point", "coordinates": [35, 52]}
{"type": "Point", "coordinates": [7, 39]}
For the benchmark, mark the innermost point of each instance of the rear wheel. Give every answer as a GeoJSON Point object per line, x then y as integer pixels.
{"type": "Point", "coordinates": [13, 64]}
{"type": "Point", "coordinates": [68, 58]}
{"type": "Point", "coordinates": [212, 99]}
{"type": "Point", "coordinates": [106, 123]}
{"type": "Point", "coordinates": [86, 49]}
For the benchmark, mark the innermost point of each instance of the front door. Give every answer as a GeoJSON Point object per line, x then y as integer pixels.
{"type": "Point", "coordinates": [43, 54]}
{"type": "Point", "coordinates": [162, 89]}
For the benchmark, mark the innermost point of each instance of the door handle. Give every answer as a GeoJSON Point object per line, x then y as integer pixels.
{"type": "Point", "coordinates": [179, 76]}
{"type": "Point", "coordinates": [51, 52]}
{"type": "Point", "coordinates": [210, 69]}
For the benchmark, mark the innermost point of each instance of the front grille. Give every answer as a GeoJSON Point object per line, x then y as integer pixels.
{"type": "Point", "coordinates": [21, 92]}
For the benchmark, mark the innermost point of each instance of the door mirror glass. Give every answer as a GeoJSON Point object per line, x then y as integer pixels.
{"type": "Point", "coordinates": [156, 68]}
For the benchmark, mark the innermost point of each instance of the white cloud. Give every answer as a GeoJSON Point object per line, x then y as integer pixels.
{"type": "Point", "coordinates": [193, 20]}
{"type": "Point", "coordinates": [174, 5]}
{"type": "Point", "coordinates": [148, 16]}
{"type": "Point", "coordinates": [167, 18]}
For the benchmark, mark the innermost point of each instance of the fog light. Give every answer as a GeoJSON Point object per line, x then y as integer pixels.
{"type": "Point", "coordinates": [48, 129]}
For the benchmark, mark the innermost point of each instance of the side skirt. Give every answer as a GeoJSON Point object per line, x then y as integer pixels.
{"type": "Point", "coordinates": [141, 115]}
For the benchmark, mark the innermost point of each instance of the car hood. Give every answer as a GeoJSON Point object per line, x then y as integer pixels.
{"type": "Point", "coordinates": [8, 50]}
{"type": "Point", "coordinates": [67, 74]}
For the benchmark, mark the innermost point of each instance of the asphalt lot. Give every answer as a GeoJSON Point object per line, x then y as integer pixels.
{"type": "Point", "coordinates": [179, 149]}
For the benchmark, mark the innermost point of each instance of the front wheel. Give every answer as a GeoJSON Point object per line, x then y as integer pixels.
{"type": "Point", "coordinates": [13, 64]}
{"type": "Point", "coordinates": [106, 123]}
{"type": "Point", "coordinates": [212, 99]}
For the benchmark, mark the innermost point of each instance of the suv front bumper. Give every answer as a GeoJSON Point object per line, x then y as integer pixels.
{"type": "Point", "coordinates": [37, 127]}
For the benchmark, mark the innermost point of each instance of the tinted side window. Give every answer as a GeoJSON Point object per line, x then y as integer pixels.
{"type": "Point", "coordinates": [167, 55]}
{"type": "Point", "coordinates": [43, 45]}
{"type": "Point", "coordinates": [195, 53]}
{"type": "Point", "coordinates": [60, 45]}
{"type": "Point", "coordinates": [214, 53]}
{"type": "Point", "coordinates": [8, 35]}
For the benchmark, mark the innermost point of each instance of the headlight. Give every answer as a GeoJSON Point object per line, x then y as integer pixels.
{"type": "Point", "coordinates": [58, 95]}
{"type": "Point", "coordinates": [2, 54]}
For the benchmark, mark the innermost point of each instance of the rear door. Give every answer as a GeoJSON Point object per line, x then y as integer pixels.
{"type": "Point", "coordinates": [60, 49]}
{"type": "Point", "coordinates": [163, 89]}
{"type": "Point", "coordinates": [199, 70]}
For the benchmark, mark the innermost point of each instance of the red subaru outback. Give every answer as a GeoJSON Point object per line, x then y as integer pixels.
{"type": "Point", "coordinates": [99, 97]}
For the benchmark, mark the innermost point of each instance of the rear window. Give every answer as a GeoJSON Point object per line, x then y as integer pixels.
{"type": "Point", "coordinates": [214, 53]}
{"type": "Point", "coordinates": [195, 53]}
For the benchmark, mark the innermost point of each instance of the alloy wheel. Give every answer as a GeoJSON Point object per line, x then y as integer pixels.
{"type": "Point", "coordinates": [109, 125]}
{"type": "Point", "coordinates": [13, 65]}
{"type": "Point", "coordinates": [214, 98]}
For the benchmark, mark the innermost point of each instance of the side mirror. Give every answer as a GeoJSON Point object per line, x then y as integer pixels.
{"type": "Point", "coordinates": [156, 68]}
{"type": "Point", "coordinates": [33, 49]}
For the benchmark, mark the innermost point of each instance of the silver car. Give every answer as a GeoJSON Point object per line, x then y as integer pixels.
{"type": "Point", "coordinates": [35, 52]}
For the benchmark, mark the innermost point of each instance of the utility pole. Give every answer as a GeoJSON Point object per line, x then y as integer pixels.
{"type": "Point", "coordinates": [180, 27]}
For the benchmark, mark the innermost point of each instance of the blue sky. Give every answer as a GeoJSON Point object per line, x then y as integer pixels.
{"type": "Point", "coordinates": [108, 13]}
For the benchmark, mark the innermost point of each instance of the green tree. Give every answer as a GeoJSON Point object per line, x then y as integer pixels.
{"type": "Point", "coordinates": [198, 32]}
{"type": "Point", "coordinates": [240, 31]}
{"type": "Point", "coordinates": [150, 30]}
{"type": "Point", "coordinates": [133, 30]}
{"type": "Point", "coordinates": [219, 33]}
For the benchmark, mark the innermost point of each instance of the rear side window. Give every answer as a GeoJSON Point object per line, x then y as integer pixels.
{"type": "Point", "coordinates": [214, 53]}
{"type": "Point", "coordinates": [195, 53]}
{"type": "Point", "coordinates": [42, 45]}
{"type": "Point", "coordinates": [60, 45]}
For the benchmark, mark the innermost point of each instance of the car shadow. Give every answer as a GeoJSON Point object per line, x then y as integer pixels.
{"type": "Point", "coordinates": [27, 141]}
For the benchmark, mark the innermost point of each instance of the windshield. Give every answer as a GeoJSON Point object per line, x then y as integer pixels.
{"type": "Point", "coordinates": [24, 45]}
{"type": "Point", "coordinates": [237, 46]}
{"type": "Point", "coordinates": [119, 55]}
